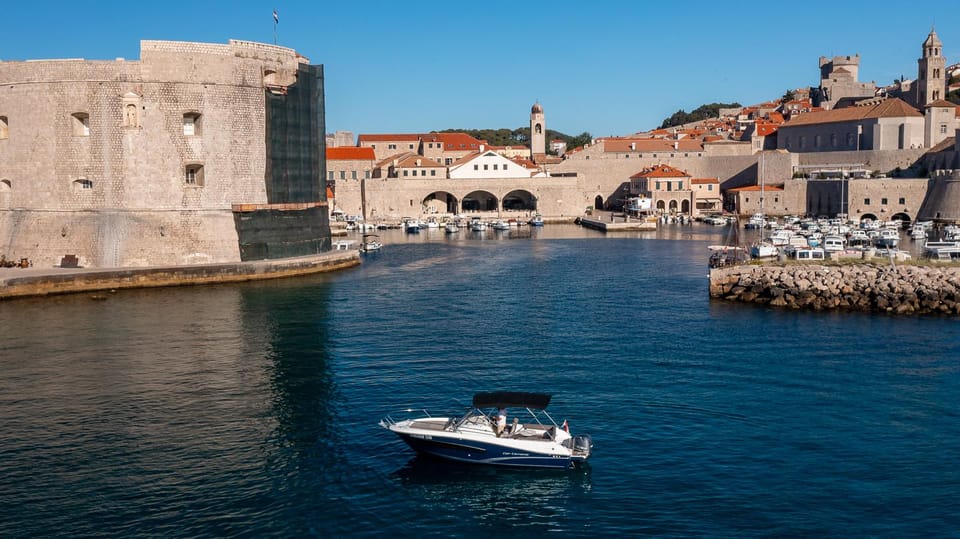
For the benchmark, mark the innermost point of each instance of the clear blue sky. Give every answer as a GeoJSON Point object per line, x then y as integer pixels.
{"type": "Point", "coordinates": [605, 67]}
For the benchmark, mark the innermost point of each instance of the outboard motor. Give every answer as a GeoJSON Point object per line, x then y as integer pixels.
{"type": "Point", "coordinates": [583, 444]}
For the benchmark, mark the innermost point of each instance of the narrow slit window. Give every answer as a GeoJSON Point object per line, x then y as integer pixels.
{"type": "Point", "coordinates": [193, 175]}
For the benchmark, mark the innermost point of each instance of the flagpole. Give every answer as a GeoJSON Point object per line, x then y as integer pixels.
{"type": "Point", "coordinates": [276, 19]}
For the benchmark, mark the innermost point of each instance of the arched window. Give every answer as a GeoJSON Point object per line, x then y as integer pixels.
{"type": "Point", "coordinates": [81, 184]}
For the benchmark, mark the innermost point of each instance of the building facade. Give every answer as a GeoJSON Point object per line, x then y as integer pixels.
{"type": "Point", "coordinates": [196, 153]}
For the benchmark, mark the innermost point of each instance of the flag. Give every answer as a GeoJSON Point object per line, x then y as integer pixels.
{"type": "Point", "coordinates": [276, 17]}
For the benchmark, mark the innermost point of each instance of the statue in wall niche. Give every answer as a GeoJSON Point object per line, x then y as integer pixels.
{"type": "Point", "coordinates": [130, 115]}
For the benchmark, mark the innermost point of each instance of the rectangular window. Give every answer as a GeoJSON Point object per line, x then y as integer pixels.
{"type": "Point", "coordinates": [391, 146]}
{"type": "Point", "coordinates": [433, 172]}
{"type": "Point", "coordinates": [866, 202]}
{"type": "Point", "coordinates": [669, 186]}
{"type": "Point", "coordinates": [476, 167]}
{"type": "Point", "coordinates": [366, 174]}
{"type": "Point", "coordinates": [330, 175]}
{"type": "Point", "coordinates": [658, 186]}
{"type": "Point", "coordinates": [943, 129]}
{"type": "Point", "coordinates": [902, 201]}
{"type": "Point", "coordinates": [411, 146]}
{"type": "Point", "coordinates": [81, 124]}
{"type": "Point", "coordinates": [191, 124]}
{"type": "Point", "coordinates": [504, 167]}
{"type": "Point", "coordinates": [353, 174]}
{"type": "Point", "coordinates": [193, 175]}
{"type": "Point", "coordinates": [710, 187]}
{"type": "Point", "coordinates": [404, 172]}
{"type": "Point", "coordinates": [495, 166]}
{"type": "Point", "coordinates": [486, 166]}
{"type": "Point", "coordinates": [343, 174]}
{"type": "Point", "coordinates": [883, 201]}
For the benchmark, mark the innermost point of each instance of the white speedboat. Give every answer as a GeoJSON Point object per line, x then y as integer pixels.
{"type": "Point", "coordinates": [536, 220]}
{"type": "Point", "coordinates": [371, 242]}
{"type": "Point", "coordinates": [834, 243]}
{"type": "Point", "coordinates": [535, 442]}
{"type": "Point", "coordinates": [887, 239]}
{"type": "Point", "coordinates": [477, 225]}
{"type": "Point", "coordinates": [500, 224]}
{"type": "Point", "coordinates": [764, 249]}
{"type": "Point", "coordinates": [451, 227]}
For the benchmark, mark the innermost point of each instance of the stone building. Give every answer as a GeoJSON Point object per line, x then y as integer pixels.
{"type": "Point", "coordinates": [348, 164]}
{"type": "Point", "coordinates": [877, 124]}
{"type": "Point", "coordinates": [195, 153]}
{"type": "Point", "coordinates": [839, 82]}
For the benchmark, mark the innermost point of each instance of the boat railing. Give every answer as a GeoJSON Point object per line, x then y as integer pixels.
{"type": "Point", "coordinates": [404, 414]}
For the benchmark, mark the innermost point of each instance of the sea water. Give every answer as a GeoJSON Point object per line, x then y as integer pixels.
{"type": "Point", "coordinates": [251, 409]}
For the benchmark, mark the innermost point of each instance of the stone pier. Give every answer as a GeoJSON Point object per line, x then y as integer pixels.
{"type": "Point", "coordinates": [903, 289]}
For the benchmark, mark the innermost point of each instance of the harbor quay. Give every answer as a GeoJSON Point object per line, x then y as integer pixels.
{"type": "Point", "coordinates": [33, 281]}
{"type": "Point", "coordinates": [867, 287]}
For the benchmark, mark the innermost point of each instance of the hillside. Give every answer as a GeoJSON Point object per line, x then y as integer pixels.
{"type": "Point", "coordinates": [520, 136]}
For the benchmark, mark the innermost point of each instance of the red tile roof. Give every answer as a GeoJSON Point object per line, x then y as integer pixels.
{"type": "Point", "coordinates": [343, 153]}
{"type": "Point", "coordinates": [887, 108]}
{"type": "Point", "coordinates": [660, 171]}
{"type": "Point", "coordinates": [382, 138]}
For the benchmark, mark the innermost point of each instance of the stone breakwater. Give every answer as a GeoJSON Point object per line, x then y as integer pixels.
{"type": "Point", "coordinates": [903, 289]}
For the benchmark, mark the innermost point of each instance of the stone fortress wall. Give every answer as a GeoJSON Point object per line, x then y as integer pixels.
{"type": "Point", "coordinates": [113, 192]}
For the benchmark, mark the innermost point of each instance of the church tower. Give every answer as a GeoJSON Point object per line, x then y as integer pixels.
{"type": "Point", "coordinates": [538, 134]}
{"type": "Point", "coordinates": [931, 76]}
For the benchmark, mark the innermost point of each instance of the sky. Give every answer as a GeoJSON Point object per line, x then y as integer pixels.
{"type": "Point", "coordinates": [607, 68]}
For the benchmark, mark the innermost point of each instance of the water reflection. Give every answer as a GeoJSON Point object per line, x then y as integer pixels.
{"type": "Point", "coordinates": [292, 319]}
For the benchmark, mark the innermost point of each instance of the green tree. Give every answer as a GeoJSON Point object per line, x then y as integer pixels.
{"type": "Point", "coordinates": [700, 113]}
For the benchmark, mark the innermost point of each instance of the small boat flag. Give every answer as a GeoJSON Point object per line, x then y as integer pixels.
{"type": "Point", "coordinates": [276, 17]}
{"type": "Point", "coordinates": [565, 426]}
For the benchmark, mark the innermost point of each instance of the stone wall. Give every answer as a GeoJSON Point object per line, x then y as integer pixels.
{"type": "Point", "coordinates": [117, 195]}
{"type": "Point", "coordinates": [903, 289]}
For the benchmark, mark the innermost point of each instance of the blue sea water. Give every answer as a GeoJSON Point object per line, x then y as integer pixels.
{"type": "Point", "coordinates": [251, 409]}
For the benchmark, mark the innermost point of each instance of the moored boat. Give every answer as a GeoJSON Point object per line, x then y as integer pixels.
{"type": "Point", "coordinates": [484, 436]}
{"type": "Point", "coordinates": [371, 242]}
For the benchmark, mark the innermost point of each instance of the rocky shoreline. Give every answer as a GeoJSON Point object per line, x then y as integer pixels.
{"type": "Point", "coordinates": [904, 289]}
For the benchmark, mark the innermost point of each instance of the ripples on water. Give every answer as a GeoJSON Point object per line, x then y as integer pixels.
{"type": "Point", "coordinates": [251, 409]}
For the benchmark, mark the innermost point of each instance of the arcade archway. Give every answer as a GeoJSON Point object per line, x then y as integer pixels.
{"type": "Point", "coordinates": [903, 218]}
{"type": "Point", "coordinates": [440, 202]}
{"type": "Point", "coordinates": [479, 201]}
{"type": "Point", "coordinates": [519, 199]}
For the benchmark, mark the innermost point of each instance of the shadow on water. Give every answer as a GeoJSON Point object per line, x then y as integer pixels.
{"type": "Point", "coordinates": [520, 498]}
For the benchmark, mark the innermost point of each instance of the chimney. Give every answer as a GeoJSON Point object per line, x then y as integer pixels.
{"type": "Point", "coordinates": [633, 146]}
{"type": "Point", "coordinates": [481, 148]}
{"type": "Point", "coordinates": [676, 145]}
{"type": "Point", "coordinates": [418, 162]}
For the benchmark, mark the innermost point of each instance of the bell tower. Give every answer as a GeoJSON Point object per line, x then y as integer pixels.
{"type": "Point", "coordinates": [538, 134]}
{"type": "Point", "coordinates": [931, 76]}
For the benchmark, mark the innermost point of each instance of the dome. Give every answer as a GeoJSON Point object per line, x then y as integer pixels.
{"type": "Point", "coordinates": [536, 109]}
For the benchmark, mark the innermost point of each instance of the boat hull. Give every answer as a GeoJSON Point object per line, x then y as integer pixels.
{"type": "Point", "coordinates": [480, 452]}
